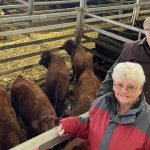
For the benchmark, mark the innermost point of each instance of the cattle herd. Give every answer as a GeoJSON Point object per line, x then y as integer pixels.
{"type": "Point", "coordinates": [40, 110]}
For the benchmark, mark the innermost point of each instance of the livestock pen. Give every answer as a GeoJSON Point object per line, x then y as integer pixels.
{"type": "Point", "coordinates": [59, 26]}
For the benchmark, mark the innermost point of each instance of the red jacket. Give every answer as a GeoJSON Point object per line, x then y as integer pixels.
{"type": "Point", "coordinates": [106, 130]}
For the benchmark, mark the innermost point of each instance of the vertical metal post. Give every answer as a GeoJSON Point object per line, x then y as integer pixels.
{"type": "Point", "coordinates": [79, 21]}
{"type": "Point", "coordinates": [136, 12]}
{"type": "Point", "coordinates": [139, 36]}
{"type": "Point", "coordinates": [120, 10]}
{"type": "Point", "coordinates": [30, 12]}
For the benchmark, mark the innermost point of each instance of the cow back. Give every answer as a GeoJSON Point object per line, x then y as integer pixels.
{"type": "Point", "coordinates": [81, 61]}
{"type": "Point", "coordinates": [10, 132]}
{"type": "Point", "coordinates": [31, 102]}
{"type": "Point", "coordinates": [85, 91]}
{"type": "Point", "coordinates": [57, 81]}
{"type": "Point", "coordinates": [77, 144]}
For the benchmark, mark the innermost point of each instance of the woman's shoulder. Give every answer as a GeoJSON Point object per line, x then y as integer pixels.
{"type": "Point", "coordinates": [101, 101]}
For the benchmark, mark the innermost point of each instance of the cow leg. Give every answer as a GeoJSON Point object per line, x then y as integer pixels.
{"type": "Point", "coordinates": [73, 74]}
{"type": "Point", "coordinates": [60, 106]}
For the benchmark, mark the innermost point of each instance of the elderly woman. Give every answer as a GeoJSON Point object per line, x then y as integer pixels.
{"type": "Point", "coordinates": [119, 120]}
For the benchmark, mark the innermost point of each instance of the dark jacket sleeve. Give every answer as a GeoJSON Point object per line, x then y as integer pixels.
{"type": "Point", "coordinates": [107, 84]}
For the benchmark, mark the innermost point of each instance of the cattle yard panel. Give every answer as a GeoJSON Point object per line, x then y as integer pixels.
{"type": "Point", "coordinates": [110, 34]}
{"type": "Point", "coordinates": [42, 17]}
{"type": "Point", "coordinates": [55, 14]}
{"type": "Point", "coordinates": [115, 23]}
{"type": "Point", "coordinates": [135, 15]}
{"type": "Point", "coordinates": [59, 26]}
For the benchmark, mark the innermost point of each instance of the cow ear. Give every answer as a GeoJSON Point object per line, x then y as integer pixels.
{"type": "Point", "coordinates": [35, 124]}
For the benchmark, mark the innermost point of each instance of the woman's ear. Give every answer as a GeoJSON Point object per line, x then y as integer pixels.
{"type": "Point", "coordinates": [141, 88]}
{"type": "Point", "coordinates": [113, 86]}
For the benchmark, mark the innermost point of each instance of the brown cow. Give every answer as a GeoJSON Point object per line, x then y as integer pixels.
{"type": "Point", "coordinates": [77, 144]}
{"type": "Point", "coordinates": [80, 59]}
{"type": "Point", "coordinates": [10, 132]}
{"type": "Point", "coordinates": [57, 80]}
{"type": "Point", "coordinates": [85, 92]}
{"type": "Point", "coordinates": [33, 106]}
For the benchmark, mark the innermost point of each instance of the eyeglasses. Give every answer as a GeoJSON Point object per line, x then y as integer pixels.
{"type": "Point", "coordinates": [129, 88]}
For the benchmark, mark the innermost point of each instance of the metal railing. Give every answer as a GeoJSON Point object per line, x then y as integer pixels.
{"type": "Point", "coordinates": [26, 18]}
{"type": "Point", "coordinates": [85, 12]}
{"type": "Point", "coordinates": [44, 141]}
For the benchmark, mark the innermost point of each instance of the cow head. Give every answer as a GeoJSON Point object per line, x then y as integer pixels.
{"type": "Point", "coordinates": [43, 124]}
{"type": "Point", "coordinates": [45, 58]}
{"type": "Point", "coordinates": [69, 46]}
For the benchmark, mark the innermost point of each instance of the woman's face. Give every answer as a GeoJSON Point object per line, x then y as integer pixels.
{"type": "Point", "coordinates": [127, 91]}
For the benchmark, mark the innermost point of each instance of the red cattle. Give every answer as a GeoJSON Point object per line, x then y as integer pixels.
{"type": "Point", "coordinates": [80, 59]}
{"type": "Point", "coordinates": [85, 92]}
{"type": "Point", "coordinates": [33, 106]}
{"type": "Point", "coordinates": [10, 132]}
{"type": "Point", "coordinates": [77, 144]}
{"type": "Point", "coordinates": [57, 80]}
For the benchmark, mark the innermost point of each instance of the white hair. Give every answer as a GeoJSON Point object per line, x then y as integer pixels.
{"type": "Point", "coordinates": [128, 70]}
{"type": "Point", "coordinates": [147, 33]}
{"type": "Point", "coordinates": [146, 23]}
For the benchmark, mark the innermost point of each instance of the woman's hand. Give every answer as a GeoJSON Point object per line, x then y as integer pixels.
{"type": "Point", "coordinates": [61, 131]}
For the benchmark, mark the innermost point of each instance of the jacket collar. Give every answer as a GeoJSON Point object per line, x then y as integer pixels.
{"type": "Point", "coordinates": [142, 41]}
{"type": "Point", "coordinates": [130, 115]}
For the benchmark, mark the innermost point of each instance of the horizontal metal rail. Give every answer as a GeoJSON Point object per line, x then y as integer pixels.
{"type": "Point", "coordinates": [24, 56]}
{"type": "Point", "coordinates": [24, 5]}
{"type": "Point", "coordinates": [67, 1]}
{"type": "Point", "coordinates": [22, 68]}
{"type": "Point", "coordinates": [116, 23]}
{"type": "Point", "coordinates": [23, 24]}
{"type": "Point", "coordinates": [19, 69]}
{"type": "Point", "coordinates": [21, 1]}
{"type": "Point", "coordinates": [115, 36]}
{"type": "Point", "coordinates": [38, 4]}
{"type": "Point", "coordinates": [144, 11]}
{"type": "Point", "coordinates": [36, 29]}
{"type": "Point", "coordinates": [96, 41]}
{"type": "Point", "coordinates": [57, 2]}
{"type": "Point", "coordinates": [70, 14]}
{"type": "Point", "coordinates": [36, 17]}
{"type": "Point", "coordinates": [34, 42]}
{"type": "Point", "coordinates": [145, 3]}
{"type": "Point", "coordinates": [44, 141]}
{"type": "Point", "coordinates": [27, 66]}
{"type": "Point", "coordinates": [53, 15]}
{"type": "Point", "coordinates": [131, 6]}
{"type": "Point", "coordinates": [13, 6]}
